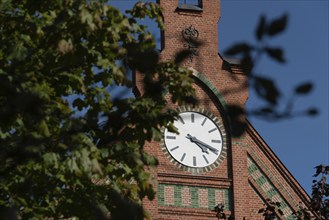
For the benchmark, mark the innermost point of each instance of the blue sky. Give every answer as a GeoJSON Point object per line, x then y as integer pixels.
{"type": "Point", "coordinates": [301, 143]}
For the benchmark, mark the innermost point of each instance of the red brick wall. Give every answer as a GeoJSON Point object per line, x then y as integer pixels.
{"type": "Point", "coordinates": [208, 61]}
{"type": "Point", "coordinates": [232, 174]}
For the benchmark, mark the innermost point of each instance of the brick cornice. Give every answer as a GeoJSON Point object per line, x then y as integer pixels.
{"type": "Point", "coordinates": [191, 212]}
{"type": "Point", "coordinates": [279, 166]}
{"type": "Point", "coordinates": [186, 180]}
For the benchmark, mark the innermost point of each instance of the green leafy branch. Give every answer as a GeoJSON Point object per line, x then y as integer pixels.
{"type": "Point", "coordinates": [266, 88]}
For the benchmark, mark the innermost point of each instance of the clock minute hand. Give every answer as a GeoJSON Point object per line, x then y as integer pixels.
{"type": "Point", "coordinates": [204, 149]}
{"type": "Point", "coordinates": [202, 145]}
{"type": "Point", "coordinates": [194, 140]}
{"type": "Point", "coordinates": [214, 150]}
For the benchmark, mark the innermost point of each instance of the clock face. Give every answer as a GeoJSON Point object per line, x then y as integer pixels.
{"type": "Point", "coordinates": [199, 142]}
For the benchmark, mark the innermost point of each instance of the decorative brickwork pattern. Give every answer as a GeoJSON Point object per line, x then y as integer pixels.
{"type": "Point", "coordinates": [193, 197]}
{"type": "Point", "coordinates": [268, 189]}
{"type": "Point", "coordinates": [248, 172]}
{"type": "Point", "coordinates": [203, 198]}
{"type": "Point", "coordinates": [169, 196]}
{"type": "Point", "coordinates": [211, 86]}
{"type": "Point", "coordinates": [186, 196]}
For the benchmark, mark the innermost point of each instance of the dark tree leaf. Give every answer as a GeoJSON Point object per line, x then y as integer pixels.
{"type": "Point", "coordinates": [319, 169]}
{"type": "Point", "coordinates": [276, 54]}
{"type": "Point", "coordinates": [238, 125]}
{"type": "Point", "coordinates": [238, 48]}
{"type": "Point", "coordinates": [79, 103]}
{"type": "Point", "coordinates": [267, 89]}
{"type": "Point", "coordinates": [261, 28]}
{"type": "Point", "coordinates": [320, 193]}
{"type": "Point", "coordinates": [266, 110]}
{"type": "Point", "coordinates": [304, 88]}
{"type": "Point", "coordinates": [181, 56]}
{"type": "Point", "coordinates": [144, 60]}
{"type": "Point", "coordinates": [271, 208]}
{"type": "Point", "coordinates": [221, 215]}
{"type": "Point", "coordinates": [278, 25]}
{"type": "Point", "coordinates": [122, 205]}
{"type": "Point", "coordinates": [247, 63]}
{"type": "Point", "coordinates": [312, 112]}
{"type": "Point", "coordinates": [280, 212]}
{"type": "Point", "coordinates": [261, 210]}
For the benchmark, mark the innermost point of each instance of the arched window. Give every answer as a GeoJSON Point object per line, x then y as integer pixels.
{"type": "Point", "coordinates": [195, 5]}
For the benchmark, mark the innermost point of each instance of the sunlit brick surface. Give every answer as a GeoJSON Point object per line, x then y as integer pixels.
{"type": "Point", "coordinates": [249, 172]}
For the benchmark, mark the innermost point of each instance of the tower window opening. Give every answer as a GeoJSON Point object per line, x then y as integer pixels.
{"type": "Point", "coordinates": [193, 5]}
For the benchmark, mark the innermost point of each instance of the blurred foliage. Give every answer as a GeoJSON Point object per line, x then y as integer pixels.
{"type": "Point", "coordinates": [219, 209]}
{"type": "Point", "coordinates": [303, 213]}
{"type": "Point", "coordinates": [68, 148]}
{"type": "Point", "coordinates": [320, 193]}
{"type": "Point", "coordinates": [271, 210]}
{"type": "Point", "coordinates": [318, 208]}
{"type": "Point", "coordinates": [265, 87]}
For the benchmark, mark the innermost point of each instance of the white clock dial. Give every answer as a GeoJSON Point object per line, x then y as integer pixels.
{"type": "Point", "coordinates": [199, 142]}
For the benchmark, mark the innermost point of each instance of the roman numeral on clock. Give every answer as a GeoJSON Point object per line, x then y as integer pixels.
{"type": "Point", "coordinates": [170, 137]}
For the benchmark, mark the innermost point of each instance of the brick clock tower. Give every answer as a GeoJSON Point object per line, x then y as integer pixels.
{"type": "Point", "coordinates": [204, 165]}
